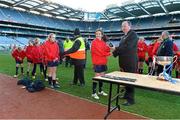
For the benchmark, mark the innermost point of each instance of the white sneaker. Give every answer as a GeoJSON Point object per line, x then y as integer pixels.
{"type": "Point", "coordinates": [95, 96]}
{"type": "Point", "coordinates": [23, 87]}
{"type": "Point", "coordinates": [15, 76]}
{"type": "Point", "coordinates": [33, 77]}
{"type": "Point", "coordinates": [52, 86]}
{"type": "Point", "coordinates": [102, 93]}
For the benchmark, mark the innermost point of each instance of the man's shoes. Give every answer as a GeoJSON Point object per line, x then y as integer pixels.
{"type": "Point", "coordinates": [128, 104]}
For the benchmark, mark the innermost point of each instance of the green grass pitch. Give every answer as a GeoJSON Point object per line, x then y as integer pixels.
{"type": "Point", "coordinates": [150, 104]}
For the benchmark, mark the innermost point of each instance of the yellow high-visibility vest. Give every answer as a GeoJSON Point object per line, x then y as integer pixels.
{"type": "Point", "coordinates": [67, 45]}
{"type": "Point", "coordinates": [80, 53]}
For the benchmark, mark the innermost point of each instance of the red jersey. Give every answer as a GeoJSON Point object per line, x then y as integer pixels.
{"type": "Point", "coordinates": [150, 49]}
{"type": "Point", "coordinates": [142, 49]}
{"type": "Point", "coordinates": [29, 52]}
{"type": "Point", "coordinates": [37, 54]}
{"type": "Point", "coordinates": [155, 48]}
{"type": "Point", "coordinates": [178, 57]}
{"type": "Point", "coordinates": [18, 55]}
{"type": "Point", "coordinates": [175, 48]}
{"type": "Point", "coordinates": [51, 51]}
{"type": "Point", "coordinates": [99, 52]}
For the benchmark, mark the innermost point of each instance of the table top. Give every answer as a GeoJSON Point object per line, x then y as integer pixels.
{"type": "Point", "coordinates": [142, 81]}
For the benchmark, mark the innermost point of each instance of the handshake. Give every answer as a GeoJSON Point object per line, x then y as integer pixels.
{"type": "Point", "coordinates": [111, 46]}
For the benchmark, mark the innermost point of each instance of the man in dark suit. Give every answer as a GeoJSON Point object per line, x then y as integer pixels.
{"type": "Point", "coordinates": [127, 52]}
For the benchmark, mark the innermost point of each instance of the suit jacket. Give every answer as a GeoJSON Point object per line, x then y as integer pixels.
{"type": "Point", "coordinates": [127, 52]}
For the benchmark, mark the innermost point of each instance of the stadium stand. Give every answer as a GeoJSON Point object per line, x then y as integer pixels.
{"type": "Point", "coordinates": [25, 24]}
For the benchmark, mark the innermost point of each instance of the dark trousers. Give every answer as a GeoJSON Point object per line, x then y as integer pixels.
{"type": "Point", "coordinates": [68, 61]}
{"type": "Point", "coordinates": [95, 86]}
{"type": "Point", "coordinates": [85, 59]}
{"type": "Point", "coordinates": [129, 64]}
{"type": "Point", "coordinates": [129, 94]}
{"type": "Point", "coordinates": [45, 71]}
{"type": "Point", "coordinates": [41, 67]}
{"type": "Point", "coordinates": [79, 74]}
{"type": "Point", "coordinates": [22, 70]}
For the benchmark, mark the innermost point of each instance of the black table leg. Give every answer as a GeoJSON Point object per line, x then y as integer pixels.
{"type": "Point", "coordinates": [110, 100]}
{"type": "Point", "coordinates": [117, 98]}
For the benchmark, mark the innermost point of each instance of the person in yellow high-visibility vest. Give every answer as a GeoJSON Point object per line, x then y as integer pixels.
{"type": "Point", "coordinates": [77, 54]}
{"type": "Point", "coordinates": [67, 45]}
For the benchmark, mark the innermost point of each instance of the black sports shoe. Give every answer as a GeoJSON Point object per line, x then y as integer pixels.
{"type": "Point", "coordinates": [127, 104]}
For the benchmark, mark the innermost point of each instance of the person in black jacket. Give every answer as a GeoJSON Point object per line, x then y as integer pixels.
{"type": "Point", "coordinates": [128, 59]}
{"type": "Point", "coordinates": [78, 63]}
{"type": "Point", "coordinates": [61, 50]}
{"type": "Point", "coordinates": [165, 49]}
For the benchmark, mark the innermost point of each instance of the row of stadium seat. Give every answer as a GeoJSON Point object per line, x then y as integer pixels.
{"type": "Point", "coordinates": [9, 14]}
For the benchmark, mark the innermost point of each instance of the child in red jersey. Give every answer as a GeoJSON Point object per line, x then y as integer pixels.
{"type": "Point", "coordinates": [150, 57]}
{"type": "Point", "coordinates": [99, 53]}
{"type": "Point", "coordinates": [51, 53]}
{"type": "Point", "coordinates": [156, 46]}
{"type": "Point", "coordinates": [37, 57]}
{"type": "Point", "coordinates": [142, 49]}
{"type": "Point", "coordinates": [18, 54]}
{"type": "Point", "coordinates": [44, 62]}
{"type": "Point", "coordinates": [28, 51]}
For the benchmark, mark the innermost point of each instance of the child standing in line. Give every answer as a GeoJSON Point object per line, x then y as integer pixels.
{"type": "Point", "coordinates": [37, 57]}
{"type": "Point", "coordinates": [18, 54]}
{"type": "Point", "coordinates": [29, 55]}
{"type": "Point", "coordinates": [51, 53]}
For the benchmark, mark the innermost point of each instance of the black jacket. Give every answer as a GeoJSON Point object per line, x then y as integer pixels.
{"type": "Point", "coordinates": [166, 48]}
{"type": "Point", "coordinates": [127, 52]}
{"type": "Point", "coordinates": [73, 49]}
{"type": "Point", "coordinates": [61, 47]}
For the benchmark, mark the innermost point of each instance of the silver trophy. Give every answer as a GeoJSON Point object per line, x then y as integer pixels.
{"type": "Point", "coordinates": [167, 63]}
